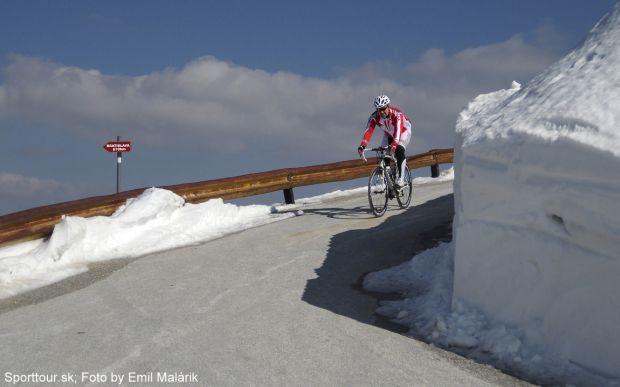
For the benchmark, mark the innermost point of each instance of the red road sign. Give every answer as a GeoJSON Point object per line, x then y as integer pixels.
{"type": "Point", "coordinates": [118, 146]}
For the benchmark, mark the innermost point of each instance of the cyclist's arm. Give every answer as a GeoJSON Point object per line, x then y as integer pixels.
{"type": "Point", "coordinates": [398, 129]}
{"type": "Point", "coordinates": [370, 127]}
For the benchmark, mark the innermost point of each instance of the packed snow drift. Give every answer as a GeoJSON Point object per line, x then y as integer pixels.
{"type": "Point", "coordinates": [431, 312]}
{"type": "Point", "coordinates": [537, 201]}
{"type": "Point", "coordinates": [155, 221]}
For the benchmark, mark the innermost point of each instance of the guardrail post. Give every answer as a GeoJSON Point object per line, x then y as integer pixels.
{"type": "Point", "coordinates": [435, 170]}
{"type": "Point", "coordinates": [289, 198]}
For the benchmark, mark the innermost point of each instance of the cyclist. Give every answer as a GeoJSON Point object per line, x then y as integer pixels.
{"type": "Point", "coordinates": [396, 131]}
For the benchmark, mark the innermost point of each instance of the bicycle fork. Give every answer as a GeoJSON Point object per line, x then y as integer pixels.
{"type": "Point", "coordinates": [387, 173]}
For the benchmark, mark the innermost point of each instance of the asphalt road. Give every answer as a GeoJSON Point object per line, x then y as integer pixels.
{"type": "Point", "coordinates": [274, 305]}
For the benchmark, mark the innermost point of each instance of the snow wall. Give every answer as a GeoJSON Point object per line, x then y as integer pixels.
{"type": "Point", "coordinates": [537, 200]}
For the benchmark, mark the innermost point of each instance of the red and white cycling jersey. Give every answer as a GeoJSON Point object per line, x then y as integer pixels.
{"type": "Point", "coordinates": [396, 127]}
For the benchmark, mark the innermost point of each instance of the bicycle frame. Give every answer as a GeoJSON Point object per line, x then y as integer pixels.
{"type": "Point", "coordinates": [381, 156]}
{"type": "Point", "coordinates": [390, 189]}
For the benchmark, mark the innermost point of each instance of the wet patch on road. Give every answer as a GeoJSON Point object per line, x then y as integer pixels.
{"type": "Point", "coordinates": [96, 272]}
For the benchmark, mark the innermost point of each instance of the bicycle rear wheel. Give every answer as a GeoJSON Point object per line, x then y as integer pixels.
{"type": "Point", "coordinates": [404, 194]}
{"type": "Point", "coordinates": [377, 192]}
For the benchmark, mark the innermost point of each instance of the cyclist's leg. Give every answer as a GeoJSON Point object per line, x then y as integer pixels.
{"type": "Point", "coordinates": [384, 143]}
{"type": "Point", "coordinates": [400, 150]}
{"type": "Point", "coordinates": [400, 159]}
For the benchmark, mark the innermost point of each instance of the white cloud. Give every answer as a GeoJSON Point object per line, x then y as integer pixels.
{"type": "Point", "coordinates": [483, 66]}
{"type": "Point", "coordinates": [19, 186]}
{"type": "Point", "coordinates": [211, 103]}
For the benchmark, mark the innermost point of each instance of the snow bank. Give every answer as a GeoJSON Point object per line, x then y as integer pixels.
{"type": "Point", "coordinates": [430, 311]}
{"type": "Point", "coordinates": [537, 193]}
{"type": "Point", "coordinates": [155, 221]}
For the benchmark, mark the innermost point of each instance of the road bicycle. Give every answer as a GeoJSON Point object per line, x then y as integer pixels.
{"type": "Point", "coordinates": [382, 183]}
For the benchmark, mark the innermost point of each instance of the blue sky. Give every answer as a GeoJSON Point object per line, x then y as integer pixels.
{"type": "Point", "coordinates": [317, 38]}
{"type": "Point", "coordinates": [210, 89]}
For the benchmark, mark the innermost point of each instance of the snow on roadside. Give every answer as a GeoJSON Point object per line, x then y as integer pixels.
{"type": "Point", "coordinates": [430, 312]}
{"type": "Point", "coordinates": [444, 176]}
{"type": "Point", "coordinates": [447, 175]}
{"type": "Point", "coordinates": [155, 221]}
{"type": "Point", "coordinates": [327, 196]}
{"type": "Point", "coordinates": [537, 219]}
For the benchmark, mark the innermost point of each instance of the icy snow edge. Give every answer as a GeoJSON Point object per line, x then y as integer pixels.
{"type": "Point", "coordinates": [574, 99]}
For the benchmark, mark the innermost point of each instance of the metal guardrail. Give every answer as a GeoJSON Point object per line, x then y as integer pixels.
{"type": "Point", "coordinates": [39, 222]}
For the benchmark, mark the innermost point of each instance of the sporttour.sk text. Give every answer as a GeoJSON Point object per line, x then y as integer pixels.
{"type": "Point", "coordinates": [96, 377]}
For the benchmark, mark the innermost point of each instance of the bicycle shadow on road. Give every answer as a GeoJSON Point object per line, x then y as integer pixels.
{"type": "Point", "coordinates": [358, 212]}
{"type": "Point", "coordinates": [354, 253]}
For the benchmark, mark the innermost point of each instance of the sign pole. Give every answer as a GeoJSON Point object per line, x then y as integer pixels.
{"type": "Point", "coordinates": [119, 159]}
{"type": "Point", "coordinates": [118, 147]}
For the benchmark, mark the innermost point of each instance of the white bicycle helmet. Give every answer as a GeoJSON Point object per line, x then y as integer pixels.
{"type": "Point", "coordinates": [381, 101]}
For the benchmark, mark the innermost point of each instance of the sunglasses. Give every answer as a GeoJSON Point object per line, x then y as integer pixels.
{"type": "Point", "coordinates": [382, 110]}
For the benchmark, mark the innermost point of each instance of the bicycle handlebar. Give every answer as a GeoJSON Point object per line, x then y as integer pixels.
{"type": "Point", "coordinates": [380, 149]}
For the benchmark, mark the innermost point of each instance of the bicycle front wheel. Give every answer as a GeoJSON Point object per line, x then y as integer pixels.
{"type": "Point", "coordinates": [404, 194]}
{"type": "Point", "coordinates": [377, 192]}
